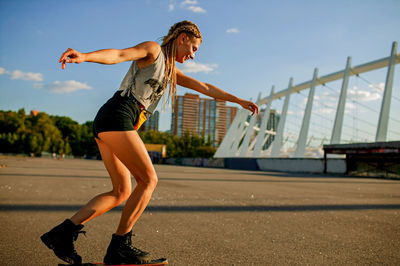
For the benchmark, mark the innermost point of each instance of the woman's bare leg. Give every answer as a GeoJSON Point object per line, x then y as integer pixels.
{"type": "Point", "coordinates": [59, 238]}
{"type": "Point", "coordinates": [130, 150]}
{"type": "Point", "coordinates": [121, 181]}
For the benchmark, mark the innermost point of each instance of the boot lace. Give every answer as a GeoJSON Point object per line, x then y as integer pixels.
{"type": "Point", "coordinates": [135, 250]}
{"type": "Point", "coordinates": [138, 251]}
{"type": "Point", "coordinates": [76, 234]}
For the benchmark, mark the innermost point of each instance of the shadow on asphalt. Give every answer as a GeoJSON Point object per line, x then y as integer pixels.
{"type": "Point", "coordinates": [62, 176]}
{"type": "Point", "coordinates": [269, 181]}
{"type": "Point", "coordinates": [295, 179]}
{"type": "Point", "coordinates": [213, 208]}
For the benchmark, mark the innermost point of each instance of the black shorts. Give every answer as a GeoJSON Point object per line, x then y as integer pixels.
{"type": "Point", "coordinates": [117, 114]}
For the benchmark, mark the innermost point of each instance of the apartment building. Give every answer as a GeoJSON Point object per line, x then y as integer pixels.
{"type": "Point", "coordinates": [202, 116]}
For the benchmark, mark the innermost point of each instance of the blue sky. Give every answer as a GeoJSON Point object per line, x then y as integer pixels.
{"type": "Point", "coordinates": [248, 46]}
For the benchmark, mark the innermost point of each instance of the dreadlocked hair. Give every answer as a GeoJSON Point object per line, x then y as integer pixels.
{"type": "Point", "coordinates": [169, 45]}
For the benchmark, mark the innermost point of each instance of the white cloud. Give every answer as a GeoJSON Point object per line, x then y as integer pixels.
{"type": "Point", "coordinates": [378, 87]}
{"type": "Point", "coordinates": [38, 85]}
{"type": "Point", "coordinates": [328, 96]}
{"type": "Point", "coordinates": [350, 105]}
{"type": "Point", "coordinates": [295, 113]}
{"type": "Point", "coordinates": [325, 111]}
{"type": "Point", "coordinates": [193, 67]}
{"type": "Point", "coordinates": [232, 30]}
{"type": "Point", "coordinates": [171, 7]}
{"type": "Point", "coordinates": [196, 9]}
{"type": "Point", "coordinates": [192, 5]}
{"type": "Point", "coordinates": [66, 86]}
{"type": "Point", "coordinates": [364, 96]}
{"type": "Point", "coordinates": [189, 2]}
{"type": "Point", "coordinates": [18, 74]}
{"type": "Point", "coordinates": [55, 87]}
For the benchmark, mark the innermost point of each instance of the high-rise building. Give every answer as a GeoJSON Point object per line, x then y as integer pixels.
{"type": "Point", "coordinates": [151, 123]}
{"type": "Point", "coordinates": [205, 117]}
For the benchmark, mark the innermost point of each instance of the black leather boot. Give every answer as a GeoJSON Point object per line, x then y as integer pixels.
{"type": "Point", "coordinates": [121, 251]}
{"type": "Point", "coordinates": [61, 240]}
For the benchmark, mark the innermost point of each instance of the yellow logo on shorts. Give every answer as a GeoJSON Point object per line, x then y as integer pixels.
{"type": "Point", "coordinates": [141, 120]}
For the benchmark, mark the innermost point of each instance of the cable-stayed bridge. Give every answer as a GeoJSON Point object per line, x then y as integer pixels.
{"type": "Point", "coordinates": [337, 108]}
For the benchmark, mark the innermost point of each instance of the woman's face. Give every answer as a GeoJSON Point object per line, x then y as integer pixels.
{"type": "Point", "coordinates": [186, 47]}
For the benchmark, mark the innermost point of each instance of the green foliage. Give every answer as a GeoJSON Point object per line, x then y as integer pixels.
{"type": "Point", "coordinates": [22, 133]}
{"type": "Point", "coordinates": [189, 145]}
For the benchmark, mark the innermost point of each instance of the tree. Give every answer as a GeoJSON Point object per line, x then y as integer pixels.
{"type": "Point", "coordinates": [189, 145]}
{"type": "Point", "coordinates": [34, 143]}
{"type": "Point", "coordinates": [87, 140]}
{"type": "Point", "coordinates": [10, 122]}
{"type": "Point", "coordinates": [71, 134]}
{"type": "Point", "coordinates": [12, 131]}
{"type": "Point", "coordinates": [21, 133]}
{"type": "Point", "coordinates": [45, 135]}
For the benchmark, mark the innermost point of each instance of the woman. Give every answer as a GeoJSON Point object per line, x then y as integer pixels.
{"type": "Point", "coordinates": [121, 148]}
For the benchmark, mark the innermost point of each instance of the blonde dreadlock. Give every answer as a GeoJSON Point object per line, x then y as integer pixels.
{"type": "Point", "coordinates": [170, 46]}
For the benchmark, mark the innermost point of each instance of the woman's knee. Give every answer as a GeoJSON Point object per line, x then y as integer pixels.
{"type": "Point", "coordinates": [149, 180]}
{"type": "Point", "coordinates": [121, 193]}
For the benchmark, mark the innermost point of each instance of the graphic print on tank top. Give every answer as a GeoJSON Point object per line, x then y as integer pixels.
{"type": "Point", "coordinates": [157, 87]}
{"type": "Point", "coordinates": [133, 83]}
{"type": "Point", "coordinates": [145, 84]}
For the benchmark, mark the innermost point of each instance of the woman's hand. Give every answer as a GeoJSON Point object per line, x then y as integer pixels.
{"type": "Point", "coordinates": [252, 107]}
{"type": "Point", "coordinates": [71, 56]}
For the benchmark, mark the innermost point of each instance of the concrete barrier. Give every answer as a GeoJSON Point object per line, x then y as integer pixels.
{"type": "Point", "coordinates": [214, 162]}
{"type": "Point", "coordinates": [302, 165]}
{"type": "Point", "coordinates": [241, 163]}
{"type": "Point", "coordinates": [201, 162]}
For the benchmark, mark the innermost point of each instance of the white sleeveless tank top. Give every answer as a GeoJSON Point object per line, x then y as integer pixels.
{"type": "Point", "coordinates": [145, 84]}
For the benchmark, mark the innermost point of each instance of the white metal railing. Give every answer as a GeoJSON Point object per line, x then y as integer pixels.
{"type": "Point", "coordinates": [238, 142]}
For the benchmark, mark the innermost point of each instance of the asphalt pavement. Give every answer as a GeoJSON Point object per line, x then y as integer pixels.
{"type": "Point", "coordinates": [206, 216]}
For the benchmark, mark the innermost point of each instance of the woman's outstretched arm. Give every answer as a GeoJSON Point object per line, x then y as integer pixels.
{"type": "Point", "coordinates": [111, 56]}
{"type": "Point", "coordinates": [212, 91]}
